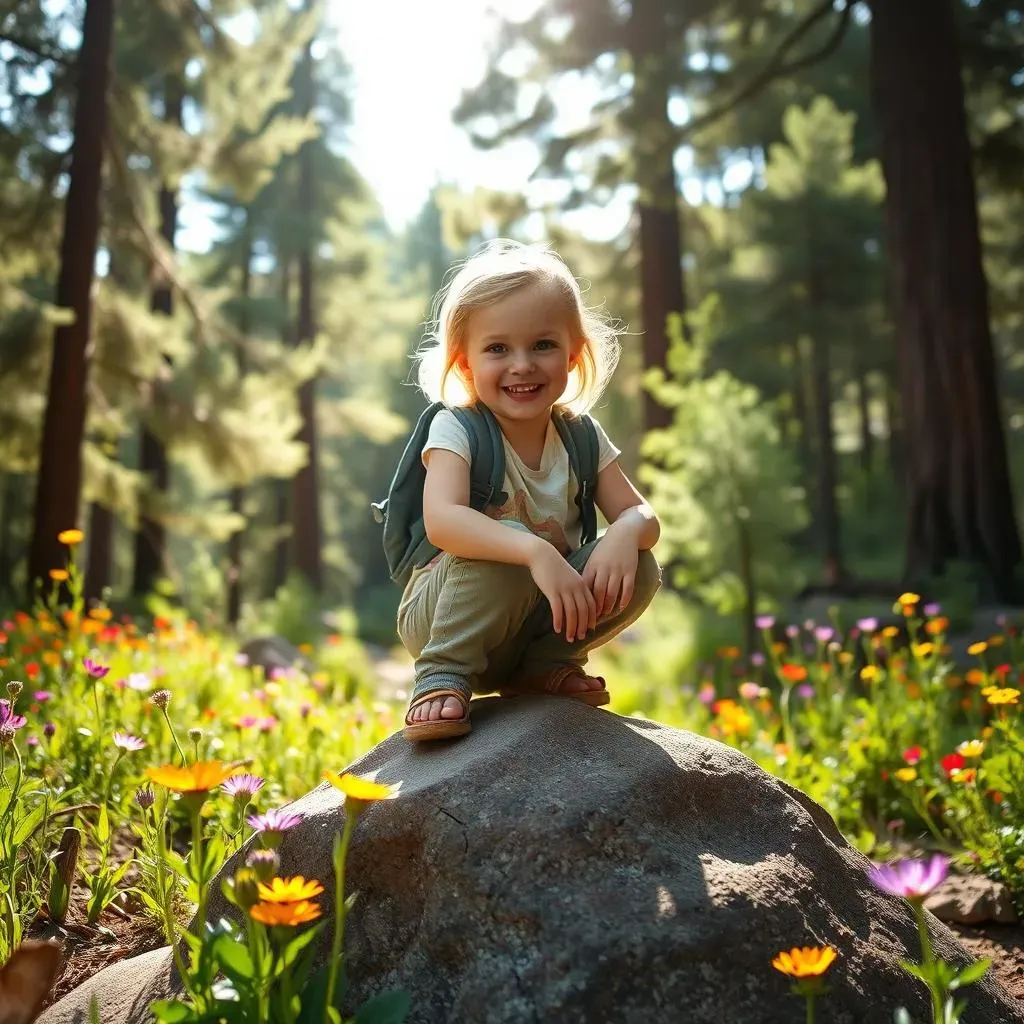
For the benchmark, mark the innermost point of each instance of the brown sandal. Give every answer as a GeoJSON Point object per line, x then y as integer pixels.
{"type": "Point", "coordinates": [551, 682]}
{"type": "Point", "coordinates": [441, 728]}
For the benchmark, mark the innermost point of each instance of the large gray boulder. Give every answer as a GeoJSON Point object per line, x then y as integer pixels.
{"type": "Point", "coordinates": [565, 864]}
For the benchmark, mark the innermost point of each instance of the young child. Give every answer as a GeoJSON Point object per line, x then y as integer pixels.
{"type": "Point", "coordinates": [514, 604]}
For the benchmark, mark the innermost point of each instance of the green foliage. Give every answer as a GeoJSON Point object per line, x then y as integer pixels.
{"type": "Point", "coordinates": [719, 477]}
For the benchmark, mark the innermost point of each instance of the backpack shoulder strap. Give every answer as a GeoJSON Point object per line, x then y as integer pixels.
{"type": "Point", "coordinates": [487, 455]}
{"type": "Point", "coordinates": [579, 435]}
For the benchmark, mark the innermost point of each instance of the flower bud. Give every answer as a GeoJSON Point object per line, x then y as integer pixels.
{"type": "Point", "coordinates": [195, 734]}
{"type": "Point", "coordinates": [246, 887]}
{"type": "Point", "coordinates": [14, 689]}
{"type": "Point", "coordinates": [264, 863]}
{"type": "Point", "coordinates": [145, 798]}
{"type": "Point", "coordinates": [161, 698]}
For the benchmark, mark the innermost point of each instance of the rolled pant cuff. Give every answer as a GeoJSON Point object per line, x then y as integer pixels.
{"type": "Point", "coordinates": [441, 681]}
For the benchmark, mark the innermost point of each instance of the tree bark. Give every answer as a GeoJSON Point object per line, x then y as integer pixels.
{"type": "Point", "coordinates": [659, 228]}
{"type": "Point", "coordinates": [306, 529]}
{"type": "Point", "coordinates": [100, 558]}
{"type": "Point", "coordinates": [151, 537]}
{"type": "Point", "coordinates": [282, 488]}
{"type": "Point", "coordinates": [960, 500]}
{"type": "Point", "coordinates": [59, 479]}
{"type": "Point", "coordinates": [864, 416]}
{"type": "Point", "coordinates": [234, 610]}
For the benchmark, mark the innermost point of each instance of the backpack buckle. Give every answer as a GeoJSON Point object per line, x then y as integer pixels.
{"type": "Point", "coordinates": [380, 510]}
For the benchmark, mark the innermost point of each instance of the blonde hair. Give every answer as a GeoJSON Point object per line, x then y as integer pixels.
{"type": "Point", "coordinates": [500, 268]}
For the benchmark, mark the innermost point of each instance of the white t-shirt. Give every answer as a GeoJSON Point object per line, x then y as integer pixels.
{"type": "Point", "coordinates": [544, 499]}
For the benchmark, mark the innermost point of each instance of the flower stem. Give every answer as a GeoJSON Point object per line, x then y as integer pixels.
{"type": "Point", "coordinates": [810, 1007]}
{"type": "Point", "coordinates": [177, 745]}
{"type": "Point", "coordinates": [928, 961]}
{"type": "Point", "coordinates": [340, 856]}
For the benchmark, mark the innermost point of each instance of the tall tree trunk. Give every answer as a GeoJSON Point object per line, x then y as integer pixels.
{"type": "Point", "coordinates": [151, 537]}
{"type": "Point", "coordinates": [238, 493]}
{"type": "Point", "coordinates": [660, 233]}
{"type": "Point", "coordinates": [9, 513]}
{"type": "Point", "coordinates": [864, 416]}
{"type": "Point", "coordinates": [802, 415]}
{"type": "Point", "coordinates": [59, 479]}
{"type": "Point", "coordinates": [306, 530]}
{"type": "Point", "coordinates": [960, 500]}
{"type": "Point", "coordinates": [893, 426]}
{"type": "Point", "coordinates": [100, 559]}
{"type": "Point", "coordinates": [282, 488]}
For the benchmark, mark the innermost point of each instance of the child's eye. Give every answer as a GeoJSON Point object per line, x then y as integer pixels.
{"type": "Point", "coordinates": [547, 343]}
{"type": "Point", "coordinates": [496, 348]}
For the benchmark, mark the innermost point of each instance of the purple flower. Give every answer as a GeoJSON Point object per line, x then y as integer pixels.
{"type": "Point", "coordinates": [824, 633]}
{"type": "Point", "coordinates": [145, 798]}
{"type": "Point", "coordinates": [764, 621]}
{"type": "Point", "coordinates": [265, 863]}
{"type": "Point", "coordinates": [805, 690]}
{"type": "Point", "coordinates": [8, 719]}
{"type": "Point", "coordinates": [274, 820]}
{"type": "Point", "coordinates": [867, 625]}
{"type": "Point", "coordinates": [42, 696]}
{"type": "Point", "coordinates": [32, 741]}
{"type": "Point", "coordinates": [49, 730]}
{"type": "Point", "coordinates": [932, 608]}
{"type": "Point", "coordinates": [792, 631]}
{"type": "Point", "coordinates": [757, 659]}
{"type": "Point", "coordinates": [94, 668]}
{"type": "Point", "coordinates": [127, 742]}
{"type": "Point", "coordinates": [706, 693]}
{"type": "Point", "coordinates": [267, 723]}
{"type": "Point", "coordinates": [243, 786]}
{"type": "Point", "coordinates": [911, 879]}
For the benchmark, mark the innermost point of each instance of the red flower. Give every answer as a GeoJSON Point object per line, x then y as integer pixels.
{"type": "Point", "coordinates": [912, 755]}
{"type": "Point", "coordinates": [794, 673]}
{"type": "Point", "coordinates": [31, 669]}
{"type": "Point", "coordinates": [951, 762]}
{"type": "Point", "coordinates": [1002, 670]}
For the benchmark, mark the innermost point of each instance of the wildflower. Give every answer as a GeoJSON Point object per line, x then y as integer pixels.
{"type": "Point", "coordinates": [764, 621]}
{"type": "Point", "coordinates": [127, 742]}
{"type": "Point", "coordinates": [361, 791]}
{"type": "Point", "coordinates": [70, 538]}
{"type": "Point", "coordinates": [793, 673]}
{"type": "Point", "coordinates": [195, 734]}
{"type": "Point", "coordinates": [243, 787]}
{"type": "Point", "coordinates": [161, 699]}
{"type": "Point", "coordinates": [706, 693]}
{"type": "Point", "coordinates": [912, 755]}
{"type": "Point", "coordinates": [806, 962]}
{"type": "Point", "coordinates": [962, 775]}
{"type": "Point", "coordinates": [140, 682]}
{"type": "Point", "coordinates": [6, 735]}
{"type": "Point", "coordinates": [805, 690]}
{"type": "Point", "coordinates": [94, 668]}
{"type": "Point", "coordinates": [1007, 695]}
{"type": "Point", "coordinates": [14, 689]}
{"type": "Point", "coordinates": [49, 730]}
{"type": "Point", "coordinates": [870, 673]}
{"type": "Point", "coordinates": [935, 627]}
{"type": "Point", "coordinates": [823, 634]}
{"type": "Point", "coordinates": [979, 648]}
{"type": "Point", "coordinates": [728, 652]}
{"type": "Point", "coordinates": [200, 777]}
{"type": "Point", "coordinates": [241, 660]}
{"type": "Point", "coordinates": [971, 748]}
{"type": "Point", "coordinates": [906, 774]}
{"type": "Point", "coordinates": [8, 719]}
{"type": "Point", "coordinates": [890, 632]}
{"type": "Point", "coordinates": [42, 696]}
{"type": "Point", "coordinates": [275, 820]}
{"type": "Point", "coordinates": [996, 641]}
{"type": "Point", "coordinates": [932, 608]}
{"type": "Point", "coordinates": [245, 887]}
{"type": "Point", "coordinates": [867, 625]}
{"type": "Point", "coordinates": [757, 659]}
{"type": "Point", "coordinates": [289, 890]}
{"type": "Point", "coordinates": [951, 762]}
{"type": "Point", "coordinates": [911, 879]}
{"type": "Point", "coordinates": [145, 797]}
{"type": "Point", "coordinates": [908, 598]}
{"type": "Point", "coordinates": [923, 650]}
{"type": "Point", "coordinates": [264, 863]}
{"type": "Point", "coordinates": [749, 691]}
{"type": "Point", "coordinates": [58, 575]}
{"type": "Point", "coordinates": [286, 914]}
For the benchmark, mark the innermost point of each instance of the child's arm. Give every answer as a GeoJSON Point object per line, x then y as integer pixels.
{"type": "Point", "coordinates": [460, 530]}
{"type": "Point", "coordinates": [625, 508]}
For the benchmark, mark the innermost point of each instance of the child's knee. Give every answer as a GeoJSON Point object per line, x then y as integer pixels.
{"type": "Point", "coordinates": [648, 577]}
{"type": "Point", "coordinates": [498, 581]}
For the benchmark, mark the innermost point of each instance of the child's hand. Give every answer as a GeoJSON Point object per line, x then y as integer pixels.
{"type": "Point", "coordinates": [610, 571]}
{"type": "Point", "coordinates": [572, 604]}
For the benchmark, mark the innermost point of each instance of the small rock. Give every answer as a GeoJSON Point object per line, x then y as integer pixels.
{"type": "Point", "coordinates": [971, 899]}
{"type": "Point", "coordinates": [271, 652]}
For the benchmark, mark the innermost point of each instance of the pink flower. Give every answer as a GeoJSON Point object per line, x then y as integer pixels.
{"type": "Point", "coordinates": [243, 786]}
{"type": "Point", "coordinates": [911, 879]}
{"type": "Point", "coordinates": [749, 691]}
{"type": "Point", "coordinates": [8, 719]}
{"type": "Point", "coordinates": [127, 742]}
{"type": "Point", "coordinates": [912, 755]}
{"type": "Point", "coordinates": [94, 668]}
{"type": "Point", "coordinates": [42, 696]}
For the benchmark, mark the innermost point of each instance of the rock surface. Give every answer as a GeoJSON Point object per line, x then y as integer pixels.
{"type": "Point", "coordinates": [274, 652]}
{"type": "Point", "coordinates": [564, 864]}
{"type": "Point", "coordinates": [969, 899]}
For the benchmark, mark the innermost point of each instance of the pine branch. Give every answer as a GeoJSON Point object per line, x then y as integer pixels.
{"type": "Point", "coordinates": [777, 68]}
{"type": "Point", "coordinates": [42, 52]}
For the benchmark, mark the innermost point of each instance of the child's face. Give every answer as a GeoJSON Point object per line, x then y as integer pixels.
{"type": "Point", "coordinates": [519, 352]}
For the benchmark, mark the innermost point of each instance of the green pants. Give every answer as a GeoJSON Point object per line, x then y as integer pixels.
{"type": "Point", "coordinates": [474, 625]}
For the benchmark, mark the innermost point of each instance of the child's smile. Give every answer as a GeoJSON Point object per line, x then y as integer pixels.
{"type": "Point", "coordinates": [518, 352]}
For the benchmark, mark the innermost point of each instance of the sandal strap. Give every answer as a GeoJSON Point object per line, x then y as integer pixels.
{"type": "Point", "coordinates": [435, 694]}
{"type": "Point", "coordinates": [553, 678]}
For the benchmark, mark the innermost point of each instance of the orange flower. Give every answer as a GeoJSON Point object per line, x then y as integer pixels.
{"type": "Point", "coordinates": [58, 575]}
{"type": "Point", "coordinates": [286, 914]}
{"type": "Point", "coordinates": [200, 777]}
{"type": "Point", "coordinates": [794, 673]}
{"type": "Point", "coordinates": [979, 648]}
{"type": "Point", "coordinates": [936, 626]}
{"type": "Point", "coordinates": [101, 614]}
{"type": "Point", "coordinates": [289, 890]}
{"type": "Point", "coordinates": [806, 962]}
{"type": "Point", "coordinates": [70, 537]}
{"type": "Point", "coordinates": [890, 631]}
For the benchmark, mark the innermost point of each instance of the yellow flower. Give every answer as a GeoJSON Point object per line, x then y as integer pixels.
{"type": "Point", "coordinates": [361, 789]}
{"type": "Point", "coordinates": [200, 777]}
{"type": "Point", "coordinates": [289, 890]}
{"type": "Point", "coordinates": [51, 658]}
{"type": "Point", "coordinates": [996, 641]}
{"type": "Point", "coordinates": [869, 673]}
{"type": "Point", "coordinates": [58, 575]}
{"type": "Point", "coordinates": [905, 774]}
{"type": "Point", "coordinates": [890, 631]}
{"type": "Point", "coordinates": [1007, 695]}
{"type": "Point", "coordinates": [987, 732]}
{"type": "Point", "coordinates": [962, 775]}
{"type": "Point", "coordinates": [970, 748]}
{"type": "Point", "coordinates": [70, 537]}
{"type": "Point", "coordinates": [845, 657]}
{"type": "Point", "coordinates": [808, 962]}
{"type": "Point", "coordinates": [979, 648]}
{"type": "Point", "coordinates": [909, 598]}
{"type": "Point", "coordinates": [101, 614]}
{"type": "Point", "coordinates": [923, 650]}
{"type": "Point", "coordinates": [286, 914]}
{"type": "Point", "coordinates": [987, 691]}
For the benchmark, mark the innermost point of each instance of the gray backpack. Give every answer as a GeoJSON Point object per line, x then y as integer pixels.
{"type": "Point", "coordinates": [406, 546]}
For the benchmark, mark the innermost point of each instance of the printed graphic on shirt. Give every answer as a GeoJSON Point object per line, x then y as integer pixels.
{"type": "Point", "coordinates": [517, 508]}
